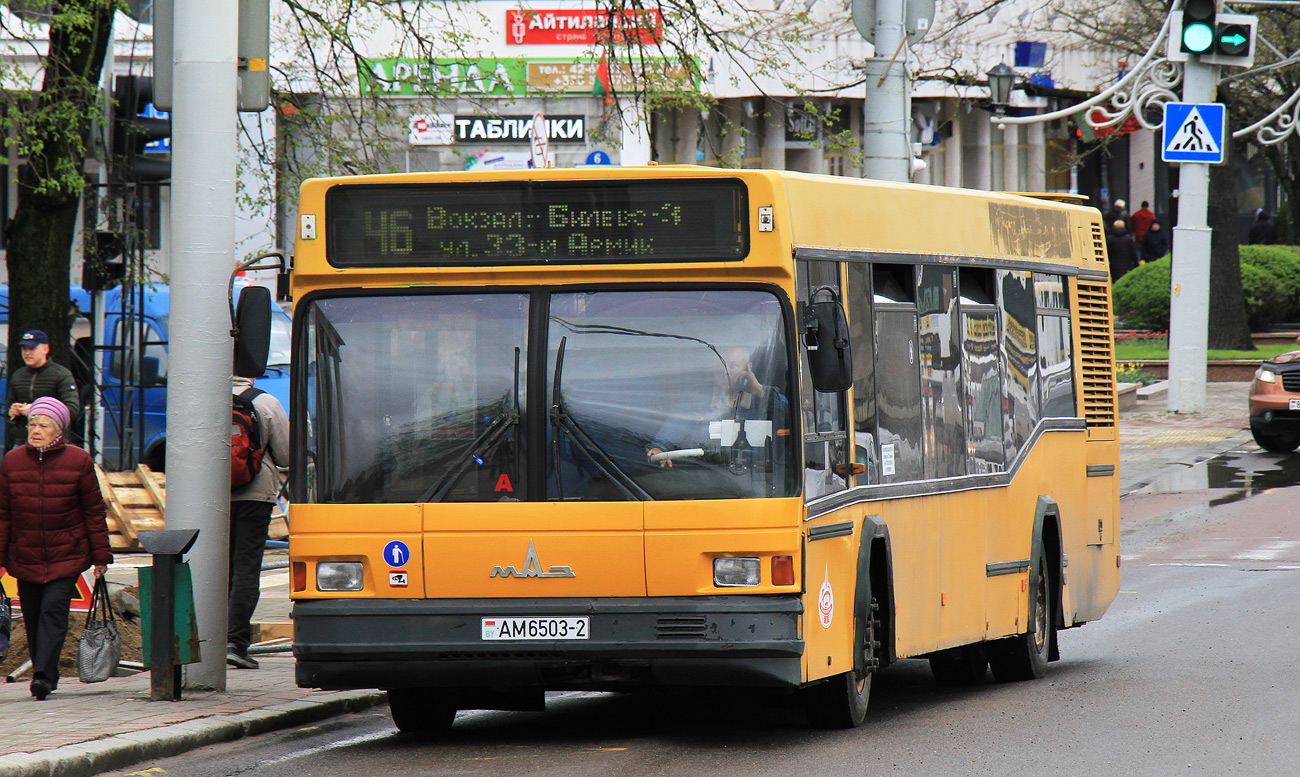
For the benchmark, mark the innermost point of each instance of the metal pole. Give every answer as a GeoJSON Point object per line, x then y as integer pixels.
{"type": "Point", "coordinates": [203, 238]}
{"type": "Point", "coordinates": [1189, 293]}
{"type": "Point", "coordinates": [887, 112]}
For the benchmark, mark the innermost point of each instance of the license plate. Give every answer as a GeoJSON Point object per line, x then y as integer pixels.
{"type": "Point", "coordinates": [544, 627]}
{"type": "Point", "coordinates": [1294, 404]}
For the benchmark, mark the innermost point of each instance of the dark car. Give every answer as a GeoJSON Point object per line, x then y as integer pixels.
{"type": "Point", "coordinates": [1275, 403]}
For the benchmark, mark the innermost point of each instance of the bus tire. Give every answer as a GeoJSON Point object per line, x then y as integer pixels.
{"type": "Point", "coordinates": [966, 665]}
{"type": "Point", "coordinates": [1025, 656]}
{"type": "Point", "coordinates": [840, 701]}
{"type": "Point", "coordinates": [416, 712]}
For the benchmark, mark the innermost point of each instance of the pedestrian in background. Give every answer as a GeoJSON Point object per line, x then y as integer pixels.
{"type": "Point", "coordinates": [52, 528]}
{"type": "Point", "coordinates": [1139, 222]}
{"type": "Point", "coordinates": [1263, 232]}
{"type": "Point", "coordinates": [1155, 243]}
{"type": "Point", "coordinates": [1118, 212]}
{"type": "Point", "coordinates": [1120, 250]}
{"type": "Point", "coordinates": [38, 377]}
{"type": "Point", "coordinates": [250, 521]}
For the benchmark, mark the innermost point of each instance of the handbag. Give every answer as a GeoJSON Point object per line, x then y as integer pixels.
{"type": "Point", "coordinates": [6, 623]}
{"type": "Point", "coordinates": [100, 647]}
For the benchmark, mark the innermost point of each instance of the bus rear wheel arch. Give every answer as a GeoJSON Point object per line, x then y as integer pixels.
{"type": "Point", "coordinates": [1025, 656]}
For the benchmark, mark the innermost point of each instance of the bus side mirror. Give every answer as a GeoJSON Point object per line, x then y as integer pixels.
{"type": "Point", "coordinates": [253, 331]}
{"type": "Point", "coordinates": [826, 340]}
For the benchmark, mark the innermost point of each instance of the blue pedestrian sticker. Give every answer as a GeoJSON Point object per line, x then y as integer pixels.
{"type": "Point", "coordinates": [396, 553]}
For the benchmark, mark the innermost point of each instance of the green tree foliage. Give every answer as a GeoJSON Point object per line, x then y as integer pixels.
{"type": "Point", "coordinates": [50, 127]}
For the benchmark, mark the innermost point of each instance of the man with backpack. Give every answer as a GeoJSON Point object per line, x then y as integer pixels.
{"type": "Point", "coordinates": [259, 443]}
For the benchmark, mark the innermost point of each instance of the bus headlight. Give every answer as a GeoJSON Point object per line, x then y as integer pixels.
{"type": "Point", "coordinates": [732, 572]}
{"type": "Point", "coordinates": [1265, 376]}
{"type": "Point", "coordinates": [339, 576]}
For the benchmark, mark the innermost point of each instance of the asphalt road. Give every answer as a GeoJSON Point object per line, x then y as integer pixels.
{"type": "Point", "coordinates": [1191, 672]}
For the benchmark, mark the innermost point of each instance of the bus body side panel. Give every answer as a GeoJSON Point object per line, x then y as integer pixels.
{"type": "Point", "coordinates": [830, 581]}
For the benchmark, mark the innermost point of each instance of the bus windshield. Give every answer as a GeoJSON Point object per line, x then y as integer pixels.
{"type": "Point", "coordinates": [651, 394]}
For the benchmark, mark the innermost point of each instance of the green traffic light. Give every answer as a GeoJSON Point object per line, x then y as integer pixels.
{"type": "Point", "coordinates": [1198, 37]}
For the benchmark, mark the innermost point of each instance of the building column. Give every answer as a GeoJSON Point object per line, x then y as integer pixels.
{"type": "Point", "coordinates": [1035, 139]}
{"type": "Point", "coordinates": [983, 152]}
{"type": "Point", "coordinates": [855, 128]}
{"type": "Point", "coordinates": [733, 132]}
{"type": "Point", "coordinates": [1011, 158]}
{"type": "Point", "coordinates": [634, 143]}
{"type": "Point", "coordinates": [774, 134]}
{"type": "Point", "coordinates": [687, 146]}
{"type": "Point", "coordinates": [952, 147]}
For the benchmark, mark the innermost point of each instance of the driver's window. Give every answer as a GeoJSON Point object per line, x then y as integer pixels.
{"type": "Point", "coordinates": [825, 437]}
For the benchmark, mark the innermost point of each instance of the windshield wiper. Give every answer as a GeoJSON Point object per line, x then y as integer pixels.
{"type": "Point", "coordinates": [480, 448]}
{"type": "Point", "coordinates": [561, 420]}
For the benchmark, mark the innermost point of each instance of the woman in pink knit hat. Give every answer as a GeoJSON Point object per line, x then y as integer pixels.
{"type": "Point", "coordinates": [52, 528]}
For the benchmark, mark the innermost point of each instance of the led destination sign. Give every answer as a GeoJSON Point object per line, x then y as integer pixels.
{"type": "Point", "coordinates": [518, 222]}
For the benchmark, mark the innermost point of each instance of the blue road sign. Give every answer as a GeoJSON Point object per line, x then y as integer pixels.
{"type": "Point", "coordinates": [396, 553]}
{"type": "Point", "coordinates": [1194, 132]}
{"type": "Point", "coordinates": [599, 158]}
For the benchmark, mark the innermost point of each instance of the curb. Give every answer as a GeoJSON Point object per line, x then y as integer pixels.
{"type": "Point", "coordinates": [88, 758]}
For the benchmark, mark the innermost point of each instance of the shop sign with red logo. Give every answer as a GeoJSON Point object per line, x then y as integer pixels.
{"type": "Point", "coordinates": [582, 27]}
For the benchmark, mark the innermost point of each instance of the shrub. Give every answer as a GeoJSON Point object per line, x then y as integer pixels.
{"type": "Point", "coordinates": [1142, 296]}
{"type": "Point", "coordinates": [1266, 297]}
{"type": "Point", "coordinates": [1283, 263]}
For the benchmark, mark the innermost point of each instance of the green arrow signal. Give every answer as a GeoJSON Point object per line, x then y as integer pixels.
{"type": "Point", "coordinates": [1236, 39]}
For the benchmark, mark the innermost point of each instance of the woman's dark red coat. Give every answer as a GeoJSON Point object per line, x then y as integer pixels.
{"type": "Point", "coordinates": [52, 517]}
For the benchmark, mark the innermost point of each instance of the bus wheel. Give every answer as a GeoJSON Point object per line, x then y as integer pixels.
{"type": "Point", "coordinates": [839, 702]}
{"type": "Point", "coordinates": [415, 711]}
{"type": "Point", "coordinates": [966, 665]}
{"type": "Point", "coordinates": [1024, 656]}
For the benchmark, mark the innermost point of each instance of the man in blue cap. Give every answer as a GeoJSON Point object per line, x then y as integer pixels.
{"type": "Point", "coordinates": [38, 377]}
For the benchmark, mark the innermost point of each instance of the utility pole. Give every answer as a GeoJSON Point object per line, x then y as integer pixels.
{"type": "Point", "coordinates": [887, 110]}
{"type": "Point", "coordinates": [1189, 293]}
{"type": "Point", "coordinates": [203, 236]}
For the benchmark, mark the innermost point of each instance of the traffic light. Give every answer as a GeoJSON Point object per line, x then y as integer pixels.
{"type": "Point", "coordinates": [132, 131]}
{"type": "Point", "coordinates": [1197, 33]}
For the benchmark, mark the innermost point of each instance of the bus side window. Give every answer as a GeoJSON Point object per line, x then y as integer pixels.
{"type": "Point", "coordinates": [826, 461]}
{"type": "Point", "coordinates": [857, 298]}
{"type": "Point", "coordinates": [1056, 369]}
{"type": "Point", "coordinates": [941, 385]}
{"type": "Point", "coordinates": [898, 378]}
{"type": "Point", "coordinates": [1019, 357]}
{"type": "Point", "coordinates": [983, 372]}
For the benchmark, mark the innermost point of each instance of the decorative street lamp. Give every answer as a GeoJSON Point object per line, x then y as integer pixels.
{"type": "Point", "coordinates": [1001, 78]}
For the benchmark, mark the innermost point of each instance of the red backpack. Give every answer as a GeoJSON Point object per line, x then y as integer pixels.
{"type": "Point", "coordinates": [246, 448]}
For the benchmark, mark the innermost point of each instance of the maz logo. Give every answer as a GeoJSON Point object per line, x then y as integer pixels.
{"type": "Point", "coordinates": [532, 568]}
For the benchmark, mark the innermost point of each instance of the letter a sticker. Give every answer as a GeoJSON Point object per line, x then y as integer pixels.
{"type": "Point", "coordinates": [503, 483]}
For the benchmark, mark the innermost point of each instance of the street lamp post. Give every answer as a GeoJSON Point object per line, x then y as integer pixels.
{"type": "Point", "coordinates": [1001, 79]}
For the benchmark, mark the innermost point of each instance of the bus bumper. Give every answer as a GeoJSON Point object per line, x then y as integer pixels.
{"type": "Point", "coordinates": [633, 642]}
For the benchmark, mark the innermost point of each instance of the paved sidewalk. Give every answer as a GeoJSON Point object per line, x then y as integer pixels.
{"type": "Point", "coordinates": [89, 729]}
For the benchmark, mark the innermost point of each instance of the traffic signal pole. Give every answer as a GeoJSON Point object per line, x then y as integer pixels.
{"type": "Point", "coordinates": [1189, 293]}
{"type": "Point", "coordinates": [204, 81]}
{"type": "Point", "coordinates": [887, 111]}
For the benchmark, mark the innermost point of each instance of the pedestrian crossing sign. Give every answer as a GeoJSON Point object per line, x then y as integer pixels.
{"type": "Point", "coordinates": [1194, 132]}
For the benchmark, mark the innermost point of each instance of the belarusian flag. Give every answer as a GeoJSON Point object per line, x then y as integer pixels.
{"type": "Point", "coordinates": [602, 86]}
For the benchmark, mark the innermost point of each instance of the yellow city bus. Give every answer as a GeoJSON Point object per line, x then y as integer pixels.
{"type": "Point", "coordinates": [610, 428]}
